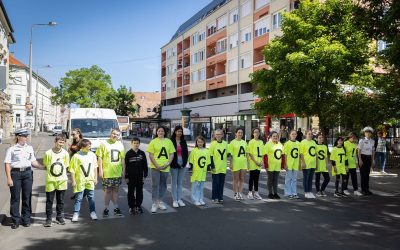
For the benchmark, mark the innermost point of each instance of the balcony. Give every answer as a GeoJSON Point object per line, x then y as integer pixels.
{"type": "Point", "coordinates": [258, 14]}
{"type": "Point", "coordinates": [216, 82]}
{"type": "Point", "coordinates": [213, 38]}
{"type": "Point", "coordinates": [261, 41]}
{"type": "Point", "coordinates": [186, 90]}
{"type": "Point", "coordinates": [216, 58]}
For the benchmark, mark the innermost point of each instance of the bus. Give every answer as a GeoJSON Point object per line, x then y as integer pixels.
{"type": "Point", "coordinates": [123, 122]}
{"type": "Point", "coordinates": [95, 124]}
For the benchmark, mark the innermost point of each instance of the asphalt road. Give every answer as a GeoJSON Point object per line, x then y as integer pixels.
{"type": "Point", "coordinates": [324, 223]}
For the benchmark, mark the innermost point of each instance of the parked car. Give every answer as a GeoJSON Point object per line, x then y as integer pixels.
{"type": "Point", "coordinates": [57, 130]}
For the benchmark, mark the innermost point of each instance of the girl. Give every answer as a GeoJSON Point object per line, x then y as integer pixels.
{"type": "Point", "coordinates": [350, 145]}
{"type": "Point", "coordinates": [256, 152]}
{"type": "Point", "coordinates": [83, 168]}
{"type": "Point", "coordinates": [219, 163]}
{"type": "Point", "coordinates": [76, 138]}
{"type": "Point", "coordinates": [308, 156]}
{"type": "Point", "coordinates": [339, 163]}
{"type": "Point", "coordinates": [322, 154]}
{"type": "Point", "coordinates": [161, 153]}
{"type": "Point", "coordinates": [56, 161]}
{"type": "Point", "coordinates": [292, 163]}
{"type": "Point", "coordinates": [238, 164]}
{"type": "Point", "coordinates": [178, 166]}
{"type": "Point", "coordinates": [273, 149]}
{"type": "Point", "coordinates": [199, 161]}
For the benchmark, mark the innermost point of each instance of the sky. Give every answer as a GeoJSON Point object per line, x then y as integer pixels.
{"type": "Point", "coordinates": [123, 37]}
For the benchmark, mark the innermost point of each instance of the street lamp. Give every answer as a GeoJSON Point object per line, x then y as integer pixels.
{"type": "Point", "coordinates": [30, 56]}
{"type": "Point", "coordinates": [37, 100]}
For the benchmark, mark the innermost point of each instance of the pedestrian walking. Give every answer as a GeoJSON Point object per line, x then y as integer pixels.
{"type": "Point", "coordinates": [350, 145]}
{"type": "Point", "coordinates": [56, 162]}
{"type": "Point", "coordinates": [322, 166]}
{"type": "Point", "coordinates": [136, 171]}
{"type": "Point", "coordinates": [219, 163]}
{"type": "Point", "coordinates": [19, 160]}
{"type": "Point", "coordinates": [381, 149]}
{"type": "Point", "coordinates": [292, 163]}
{"type": "Point", "coordinates": [256, 154]}
{"type": "Point", "coordinates": [111, 154]}
{"type": "Point", "coordinates": [83, 168]}
{"type": "Point", "coordinates": [366, 155]}
{"type": "Point", "coordinates": [339, 165]}
{"type": "Point", "coordinates": [308, 156]}
{"type": "Point", "coordinates": [238, 163]}
{"type": "Point", "coordinates": [283, 134]}
{"type": "Point", "coordinates": [178, 166]}
{"type": "Point", "coordinates": [274, 152]}
{"type": "Point", "coordinates": [199, 161]}
{"type": "Point", "coordinates": [161, 153]}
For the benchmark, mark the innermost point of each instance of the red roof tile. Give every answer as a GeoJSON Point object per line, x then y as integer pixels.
{"type": "Point", "coordinates": [14, 61]}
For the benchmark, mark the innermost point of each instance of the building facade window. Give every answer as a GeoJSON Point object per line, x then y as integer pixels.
{"type": "Point", "coordinates": [245, 9]}
{"type": "Point", "coordinates": [233, 40]}
{"type": "Point", "coordinates": [246, 34]}
{"type": "Point", "coordinates": [245, 61]}
{"type": "Point", "coordinates": [17, 118]}
{"type": "Point", "coordinates": [234, 16]}
{"type": "Point", "coordinates": [18, 99]}
{"type": "Point", "coordinates": [211, 28]}
{"type": "Point", "coordinates": [277, 20]}
{"type": "Point", "coordinates": [261, 27]}
{"type": "Point", "coordinates": [222, 22]}
{"type": "Point", "coordinates": [149, 110]}
{"type": "Point", "coordinates": [221, 46]}
{"type": "Point", "coordinates": [233, 65]}
{"type": "Point", "coordinates": [261, 3]}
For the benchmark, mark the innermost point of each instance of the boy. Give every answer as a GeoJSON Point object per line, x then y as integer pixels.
{"type": "Point", "coordinates": [83, 168]}
{"type": "Point", "coordinates": [111, 154]}
{"type": "Point", "coordinates": [56, 161]}
{"type": "Point", "coordinates": [136, 169]}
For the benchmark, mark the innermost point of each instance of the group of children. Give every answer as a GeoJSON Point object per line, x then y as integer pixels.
{"type": "Point", "coordinates": [112, 164]}
{"type": "Point", "coordinates": [84, 166]}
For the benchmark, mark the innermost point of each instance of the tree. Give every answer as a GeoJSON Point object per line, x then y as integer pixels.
{"type": "Point", "coordinates": [121, 101]}
{"type": "Point", "coordinates": [320, 49]}
{"type": "Point", "coordinates": [381, 19]}
{"type": "Point", "coordinates": [86, 87]}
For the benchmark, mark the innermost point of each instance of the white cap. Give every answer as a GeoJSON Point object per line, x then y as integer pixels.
{"type": "Point", "coordinates": [368, 129]}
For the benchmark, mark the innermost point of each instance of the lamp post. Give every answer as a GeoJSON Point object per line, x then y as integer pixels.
{"type": "Point", "coordinates": [37, 99]}
{"type": "Point", "coordinates": [30, 61]}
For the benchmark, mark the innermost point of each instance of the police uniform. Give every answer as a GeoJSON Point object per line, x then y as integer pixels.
{"type": "Point", "coordinates": [20, 158]}
{"type": "Point", "coordinates": [366, 147]}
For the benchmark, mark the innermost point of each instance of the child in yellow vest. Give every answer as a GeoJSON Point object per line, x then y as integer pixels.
{"type": "Point", "coordinates": [199, 160]}
{"type": "Point", "coordinates": [273, 149]}
{"type": "Point", "coordinates": [339, 165]}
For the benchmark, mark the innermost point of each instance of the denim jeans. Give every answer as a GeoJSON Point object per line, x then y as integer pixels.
{"type": "Point", "coordinates": [177, 175]}
{"type": "Point", "coordinates": [380, 160]}
{"type": "Point", "coordinates": [291, 182]}
{"type": "Point", "coordinates": [78, 200]}
{"type": "Point", "coordinates": [197, 190]}
{"type": "Point", "coordinates": [218, 182]}
{"type": "Point", "coordinates": [308, 175]}
{"type": "Point", "coordinates": [158, 184]}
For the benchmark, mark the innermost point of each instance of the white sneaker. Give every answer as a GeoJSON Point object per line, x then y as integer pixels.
{"type": "Point", "coordinates": [307, 195]}
{"type": "Point", "coordinates": [202, 202]}
{"type": "Point", "coordinates": [346, 192]}
{"type": "Point", "coordinates": [175, 204]}
{"type": "Point", "coordinates": [250, 196]}
{"type": "Point", "coordinates": [75, 217]}
{"type": "Point", "coordinates": [197, 203]}
{"type": "Point", "coordinates": [236, 197]}
{"type": "Point", "coordinates": [93, 215]}
{"type": "Point", "coordinates": [240, 196]}
{"type": "Point", "coordinates": [181, 203]}
{"type": "Point", "coordinates": [154, 208]}
{"type": "Point", "coordinates": [162, 206]}
{"type": "Point", "coordinates": [257, 196]}
{"type": "Point", "coordinates": [312, 196]}
{"type": "Point", "coordinates": [357, 193]}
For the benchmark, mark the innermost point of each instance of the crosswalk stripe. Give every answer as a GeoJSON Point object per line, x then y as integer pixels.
{"type": "Point", "coordinates": [148, 202]}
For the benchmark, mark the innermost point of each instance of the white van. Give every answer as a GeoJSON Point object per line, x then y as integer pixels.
{"type": "Point", "coordinates": [95, 123]}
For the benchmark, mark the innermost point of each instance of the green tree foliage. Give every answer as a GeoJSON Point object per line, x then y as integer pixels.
{"type": "Point", "coordinates": [319, 50]}
{"type": "Point", "coordinates": [121, 101]}
{"type": "Point", "coordinates": [381, 19]}
{"type": "Point", "coordinates": [85, 87]}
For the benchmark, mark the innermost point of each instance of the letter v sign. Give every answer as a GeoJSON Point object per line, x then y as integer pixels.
{"type": "Point", "coordinates": [86, 173]}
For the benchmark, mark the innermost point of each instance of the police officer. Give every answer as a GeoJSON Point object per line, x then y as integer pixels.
{"type": "Point", "coordinates": [18, 165]}
{"type": "Point", "coordinates": [366, 154]}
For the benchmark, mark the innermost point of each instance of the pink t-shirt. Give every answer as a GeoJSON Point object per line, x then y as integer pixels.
{"type": "Point", "coordinates": [179, 150]}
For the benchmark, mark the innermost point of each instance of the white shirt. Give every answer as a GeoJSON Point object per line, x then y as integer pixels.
{"type": "Point", "coordinates": [20, 156]}
{"type": "Point", "coordinates": [366, 146]}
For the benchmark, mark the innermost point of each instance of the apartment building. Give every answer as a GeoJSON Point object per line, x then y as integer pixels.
{"type": "Point", "coordinates": [146, 104]}
{"type": "Point", "coordinates": [206, 65]}
{"type": "Point", "coordinates": [47, 115]}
